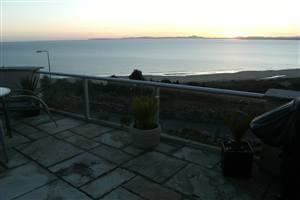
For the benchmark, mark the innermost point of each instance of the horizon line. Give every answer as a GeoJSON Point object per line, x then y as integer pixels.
{"type": "Point", "coordinates": [296, 37]}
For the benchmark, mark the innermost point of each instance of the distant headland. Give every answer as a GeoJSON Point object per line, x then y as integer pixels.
{"type": "Point", "coordinates": [200, 37]}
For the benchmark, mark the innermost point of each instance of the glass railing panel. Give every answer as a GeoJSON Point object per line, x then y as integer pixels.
{"type": "Point", "coordinates": [111, 101]}
{"type": "Point", "coordinates": [63, 93]}
{"type": "Point", "coordinates": [204, 117]}
{"type": "Point", "coordinates": [191, 115]}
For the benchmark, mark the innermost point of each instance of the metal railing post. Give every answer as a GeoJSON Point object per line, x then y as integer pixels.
{"type": "Point", "coordinates": [156, 93]}
{"type": "Point", "coordinates": [86, 98]}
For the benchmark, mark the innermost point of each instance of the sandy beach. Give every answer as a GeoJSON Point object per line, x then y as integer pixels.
{"type": "Point", "coordinates": [244, 75]}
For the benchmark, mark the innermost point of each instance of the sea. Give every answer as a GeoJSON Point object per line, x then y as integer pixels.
{"type": "Point", "coordinates": [168, 57]}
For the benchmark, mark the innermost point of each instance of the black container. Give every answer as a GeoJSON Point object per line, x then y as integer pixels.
{"type": "Point", "coordinates": [237, 163]}
{"type": "Point", "coordinates": [32, 112]}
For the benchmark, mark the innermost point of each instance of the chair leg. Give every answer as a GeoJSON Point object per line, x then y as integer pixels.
{"type": "Point", "coordinates": [2, 141]}
{"type": "Point", "coordinates": [6, 117]}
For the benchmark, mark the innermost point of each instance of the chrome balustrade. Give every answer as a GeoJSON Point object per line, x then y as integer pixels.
{"type": "Point", "coordinates": [155, 85]}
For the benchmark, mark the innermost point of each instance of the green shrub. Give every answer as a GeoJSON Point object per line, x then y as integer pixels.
{"type": "Point", "coordinates": [145, 112]}
{"type": "Point", "coordinates": [136, 75]}
{"type": "Point", "coordinates": [30, 84]}
{"type": "Point", "coordinates": [165, 81]}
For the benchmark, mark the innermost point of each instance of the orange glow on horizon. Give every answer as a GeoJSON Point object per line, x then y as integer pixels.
{"type": "Point", "coordinates": [77, 19]}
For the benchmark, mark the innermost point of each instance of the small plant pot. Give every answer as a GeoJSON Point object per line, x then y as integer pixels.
{"type": "Point", "coordinates": [237, 163]}
{"type": "Point", "coordinates": [145, 139]}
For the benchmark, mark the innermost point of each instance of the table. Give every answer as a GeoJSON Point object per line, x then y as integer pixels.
{"type": "Point", "coordinates": [4, 92]}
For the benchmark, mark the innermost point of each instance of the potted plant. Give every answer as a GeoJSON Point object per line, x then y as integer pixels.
{"type": "Point", "coordinates": [237, 153]}
{"type": "Point", "coordinates": [145, 130]}
{"type": "Point", "coordinates": [30, 86]}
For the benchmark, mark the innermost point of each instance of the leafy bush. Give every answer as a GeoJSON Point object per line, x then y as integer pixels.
{"type": "Point", "coordinates": [165, 81]}
{"type": "Point", "coordinates": [30, 84]}
{"type": "Point", "coordinates": [136, 75]}
{"type": "Point", "coordinates": [145, 112]}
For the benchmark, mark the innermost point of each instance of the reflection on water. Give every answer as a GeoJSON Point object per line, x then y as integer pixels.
{"type": "Point", "coordinates": [155, 56]}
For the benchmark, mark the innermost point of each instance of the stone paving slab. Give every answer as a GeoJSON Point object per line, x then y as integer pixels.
{"type": "Point", "coordinates": [150, 190]}
{"type": "Point", "coordinates": [258, 184]}
{"type": "Point", "coordinates": [201, 180]}
{"type": "Point", "coordinates": [23, 179]}
{"type": "Point", "coordinates": [203, 183]}
{"type": "Point", "coordinates": [111, 154]}
{"type": "Point", "coordinates": [107, 183]}
{"type": "Point", "coordinates": [118, 139]}
{"type": "Point", "coordinates": [274, 190]}
{"type": "Point", "coordinates": [82, 142]}
{"type": "Point", "coordinates": [40, 119]}
{"type": "Point", "coordinates": [37, 135]}
{"type": "Point", "coordinates": [25, 129]}
{"type": "Point", "coordinates": [15, 159]}
{"type": "Point", "coordinates": [155, 166]}
{"type": "Point", "coordinates": [121, 194]}
{"type": "Point", "coordinates": [13, 121]}
{"type": "Point", "coordinates": [82, 169]}
{"type": "Point", "coordinates": [16, 140]}
{"type": "Point", "coordinates": [204, 158]}
{"type": "Point", "coordinates": [30, 132]}
{"type": "Point", "coordinates": [91, 130]}
{"type": "Point", "coordinates": [166, 148]}
{"type": "Point", "coordinates": [56, 190]}
{"type": "Point", "coordinates": [63, 124]}
{"type": "Point", "coordinates": [133, 150]}
{"type": "Point", "coordinates": [48, 151]}
{"type": "Point", "coordinates": [2, 169]}
{"type": "Point", "coordinates": [246, 197]}
{"type": "Point", "coordinates": [64, 134]}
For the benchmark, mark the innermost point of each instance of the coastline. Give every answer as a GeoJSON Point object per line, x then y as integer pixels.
{"type": "Point", "coordinates": [236, 76]}
{"type": "Point", "coordinates": [220, 77]}
{"type": "Point", "coordinates": [201, 37]}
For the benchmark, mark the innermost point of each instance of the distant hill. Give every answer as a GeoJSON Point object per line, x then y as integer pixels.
{"type": "Point", "coordinates": [200, 37]}
{"type": "Point", "coordinates": [269, 38]}
{"type": "Point", "coordinates": [151, 37]}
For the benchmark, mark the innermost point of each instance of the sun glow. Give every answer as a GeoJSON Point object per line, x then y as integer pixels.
{"type": "Point", "coordinates": [118, 18]}
{"type": "Point", "coordinates": [234, 34]}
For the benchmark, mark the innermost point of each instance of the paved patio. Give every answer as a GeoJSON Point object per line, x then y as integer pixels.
{"type": "Point", "coordinates": [79, 160]}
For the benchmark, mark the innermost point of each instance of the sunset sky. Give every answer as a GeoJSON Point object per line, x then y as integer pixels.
{"type": "Point", "coordinates": [82, 19]}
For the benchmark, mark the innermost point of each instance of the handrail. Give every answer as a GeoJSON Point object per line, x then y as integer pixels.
{"type": "Point", "coordinates": [162, 85]}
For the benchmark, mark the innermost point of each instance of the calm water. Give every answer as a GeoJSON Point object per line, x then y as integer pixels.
{"type": "Point", "coordinates": [155, 56]}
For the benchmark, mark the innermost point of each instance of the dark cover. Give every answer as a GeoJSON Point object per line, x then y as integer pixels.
{"type": "Point", "coordinates": [277, 127]}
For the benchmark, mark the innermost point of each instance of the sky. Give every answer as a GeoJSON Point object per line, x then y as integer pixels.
{"type": "Point", "coordinates": [27, 20]}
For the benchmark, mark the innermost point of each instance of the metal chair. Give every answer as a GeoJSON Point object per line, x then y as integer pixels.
{"type": "Point", "coordinates": [23, 100]}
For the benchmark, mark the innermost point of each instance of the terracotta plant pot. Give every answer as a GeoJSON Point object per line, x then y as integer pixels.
{"type": "Point", "coordinates": [145, 139]}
